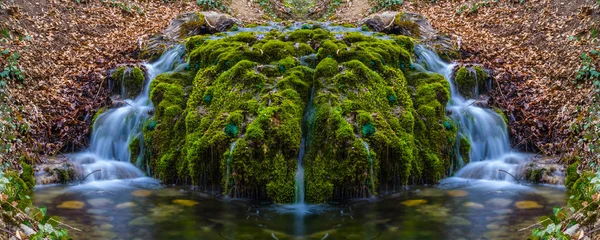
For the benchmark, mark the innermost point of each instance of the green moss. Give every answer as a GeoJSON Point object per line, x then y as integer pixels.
{"type": "Point", "coordinates": [134, 149]}
{"type": "Point", "coordinates": [402, 25]}
{"type": "Point", "coordinates": [535, 175]}
{"type": "Point", "coordinates": [196, 25]}
{"type": "Point", "coordinates": [65, 175]}
{"type": "Point", "coordinates": [27, 175]}
{"type": "Point", "coordinates": [571, 175]}
{"type": "Point", "coordinates": [465, 149]}
{"type": "Point", "coordinates": [256, 92]}
{"type": "Point", "coordinates": [130, 80]}
{"type": "Point", "coordinates": [499, 112]}
{"type": "Point", "coordinates": [471, 81]}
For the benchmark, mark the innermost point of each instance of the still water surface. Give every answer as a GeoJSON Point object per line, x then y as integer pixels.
{"type": "Point", "coordinates": [143, 209]}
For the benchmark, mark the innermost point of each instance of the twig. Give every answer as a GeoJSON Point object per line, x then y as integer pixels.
{"type": "Point", "coordinates": [500, 170]}
{"type": "Point", "coordinates": [5, 230]}
{"type": "Point", "coordinates": [532, 225]}
{"type": "Point", "coordinates": [67, 225]}
{"type": "Point", "coordinates": [89, 175]}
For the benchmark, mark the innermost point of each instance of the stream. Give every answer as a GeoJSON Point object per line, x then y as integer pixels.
{"type": "Point", "coordinates": [476, 202]}
{"type": "Point", "coordinates": [142, 209]}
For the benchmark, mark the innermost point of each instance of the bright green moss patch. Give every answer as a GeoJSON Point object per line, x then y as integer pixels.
{"type": "Point", "coordinates": [256, 92]}
{"type": "Point", "coordinates": [128, 80]}
{"type": "Point", "coordinates": [471, 81]}
{"type": "Point", "coordinates": [464, 149]}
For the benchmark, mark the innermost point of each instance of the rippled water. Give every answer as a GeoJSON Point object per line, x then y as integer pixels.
{"type": "Point", "coordinates": [143, 209]}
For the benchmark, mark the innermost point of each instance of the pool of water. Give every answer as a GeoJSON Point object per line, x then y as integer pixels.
{"type": "Point", "coordinates": [144, 209]}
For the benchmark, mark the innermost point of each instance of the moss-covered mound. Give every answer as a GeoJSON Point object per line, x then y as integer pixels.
{"type": "Point", "coordinates": [256, 93]}
{"type": "Point", "coordinates": [128, 81]}
{"type": "Point", "coordinates": [471, 81]}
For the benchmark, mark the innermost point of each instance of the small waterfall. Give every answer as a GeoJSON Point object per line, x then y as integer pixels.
{"type": "Point", "coordinates": [371, 175]}
{"type": "Point", "coordinates": [484, 128]}
{"type": "Point", "coordinates": [114, 130]}
{"type": "Point", "coordinates": [228, 166]}
{"type": "Point", "coordinates": [299, 180]}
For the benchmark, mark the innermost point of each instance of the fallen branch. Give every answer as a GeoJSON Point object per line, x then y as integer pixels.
{"type": "Point", "coordinates": [89, 175]}
{"type": "Point", "coordinates": [533, 225]}
{"type": "Point", "coordinates": [67, 225]}
{"type": "Point", "coordinates": [500, 170]}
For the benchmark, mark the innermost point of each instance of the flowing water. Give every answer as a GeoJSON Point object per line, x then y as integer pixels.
{"type": "Point", "coordinates": [114, 129]}
{"type": "Point", "coordinates": [228, 166]}
{"type": "Point", "coordinates": [485, 129]}
{"type": "Point", "coordinates": [479, 202]}
{"type": "Point", "coordinates": [299, 179]}
{"type": "Point", "coordinates": [371, 173]}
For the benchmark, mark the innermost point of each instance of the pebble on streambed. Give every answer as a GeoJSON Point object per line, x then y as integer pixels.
{"type": "Point", "coordinates": [184, 202]}
{"type": "Point", "coordinates": [473, 205]}
{"type": "Point", "coordinates": [126, 205]}
{"type": "Point", "coordinates": [527, 205]}
{"type": "Point", "coordinates": [457, 193]}
{"type": "Point", "coordinates": [141, 193]}
{"type": "Point", "coordinates": [414, 202]}
{"type": "Point", "coordinates": [72, 205]}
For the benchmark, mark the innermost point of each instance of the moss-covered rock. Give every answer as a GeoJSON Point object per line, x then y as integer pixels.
{"type": "Point", "coordinates": [465, 149]}
{"type": "Point", "coordinates": [256, 91]}
{"type": "Point", "coordinates": [128, 81]}
{"type": "Point", "coordinates": [471, 81]}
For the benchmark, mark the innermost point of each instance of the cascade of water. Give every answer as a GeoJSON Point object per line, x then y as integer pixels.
{"type": "Point", "coordinates": [484, 128]}
{"type": "Point", "coordinates": [114, 129]}
{"type": "Point", "coordinates": [371, 174]}
{"type": "Point", "coordinates": [299, 181]}
{"type": "Point", "coordinates": [228, 165]}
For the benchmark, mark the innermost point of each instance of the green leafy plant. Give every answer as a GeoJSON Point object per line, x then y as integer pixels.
{"type": "Point", "coordinates": [212, 5]}
{"type": "Point", "coordinates": [386, 5]}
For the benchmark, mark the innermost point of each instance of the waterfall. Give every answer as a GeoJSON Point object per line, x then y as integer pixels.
{"type": "Point", "coordinates": [371, 175]}
{"type": "Point", "coordinates": [299, 179]}
{"type": "Point", "coordinates": [114, 129]}
{"type": "Point", "coordinates": [485, 129]}
{"type": "Point", "coordinates": [228, 165]}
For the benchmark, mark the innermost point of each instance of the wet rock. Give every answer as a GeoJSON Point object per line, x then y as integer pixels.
{"type": "Point", "coordinates": [430, 192]}
{"type": "Point", "coordinates": [184, 202]}
{"type": "Point", "coordinates": [413, 25]}
{"type": "Point", "coordinates": [457, 193]}
{"type": "Point", "coordinates": [126, 82]}
{"type": "Point", "coordinates": [100, 202]}
{"type": "Point", "coordinates": [54, 170]}
{"type": "Point", "coordinates": [527, 205]}
{"type": "Point", "coordinates": [141, 193]}
{"type": "Point", "coordinates": [186, 25]}
{"type": "Point", "coordinates": [473, 205]}
{"type": "Point", "coordinates": [106, 226]}
{"type": "Point", "coordinates": [414, 202]}
{"type": "Point", "coordinates": [499, 202]}
{"type": "Point", "coordinates": [458, 221]}
{"type": "Point", "coordinates": [141, 221]}
{"type": "Point", "coordinates": [472, 82]}
{"type": "Point", "coordinates": [72, 205]}
{"type": "Point", "coordinates": [544, 169]}
{"type": "Point", "coordinates": [126, 205]}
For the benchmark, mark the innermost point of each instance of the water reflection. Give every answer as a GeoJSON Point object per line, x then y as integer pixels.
{"type": "Point", "coordinates": [142, 209]}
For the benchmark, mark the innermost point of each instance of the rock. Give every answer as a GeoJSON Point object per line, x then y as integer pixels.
{"type": "Point", "coordinates": [100, 202]}
{"type": "Point", "coordinates": [472, 82]}
{"type": "Point", "coordinates": [544, 169]}
{"type": "Point", "coordinates": [458, 221]}
{"type": "Point", "coordinates": [126, 81]}
{"type": "Point", "coordinates": [184, 202]}
{"type": "Point", "coordinates": [184, 26]}
{"type": "Point", "coordinates": [414, 202]}
{"type": "Point", "coordinates": [473, 205]}
{"type": "Point", "coordinates": [106, 226]}
{"type": "Point", "coordinates": [126, 205]}
{"type": "Point", "coordinates": [527, 205]}
{"type": "Point", "coordinates": [499, 202]}
{"type": "Point", "coordinates": [141, 193]}
{"type": "Point", "coordinates": [413, 25]}
{"type": "Point", "coordinates": [457, 193]}
{"type": "Point", "coordinates": [54, 170]}
{"type": "Point", "coordinates": [72, 205]}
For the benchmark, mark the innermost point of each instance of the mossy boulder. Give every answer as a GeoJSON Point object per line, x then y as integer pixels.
{"type": "Point", "coordinates": [471, 81]}
{"type": "Point", "coordinates": [464, 149]}
{"type": "Point", "coordinates": [256, 92]}
{"type": "Point", "coordinates": [127, 81]}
